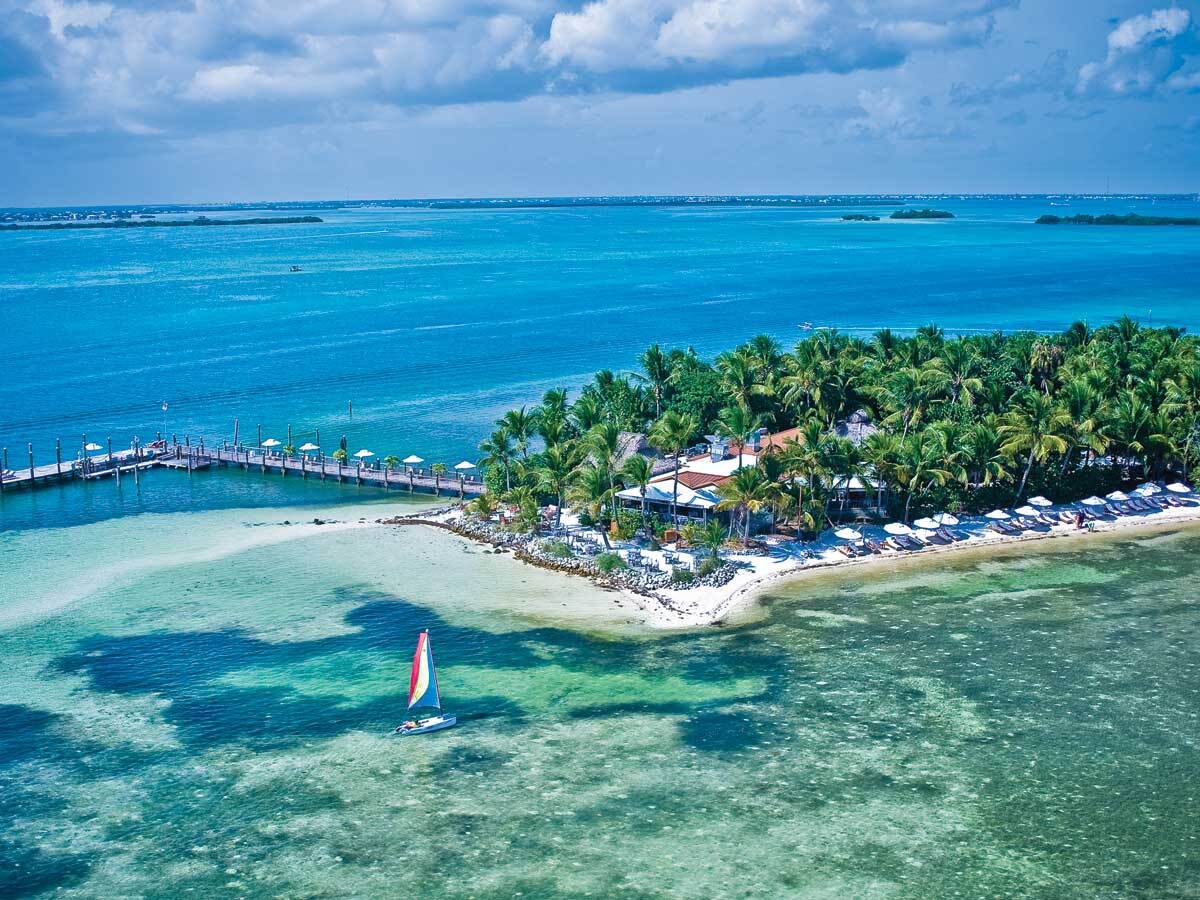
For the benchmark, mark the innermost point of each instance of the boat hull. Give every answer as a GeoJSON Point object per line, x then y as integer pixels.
{"type": "Point", "coordinates": [424, 726]}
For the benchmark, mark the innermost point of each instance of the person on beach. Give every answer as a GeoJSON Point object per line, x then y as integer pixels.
{"type": "Point", "coordinates": [1079, 519]}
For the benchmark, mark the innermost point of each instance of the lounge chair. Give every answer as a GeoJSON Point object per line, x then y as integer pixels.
{"type": "Point", "coordinates": [895, 544]}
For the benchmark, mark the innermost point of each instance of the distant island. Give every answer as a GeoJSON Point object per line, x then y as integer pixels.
{"type": "Point", "coordinates": [200, 221]}
{"type": "Point", "coordinates": [859, 217]}
{"type": "Point", "coordinates": [922, 214]}
{"type": "Point", "coordinates": [1110, 219]}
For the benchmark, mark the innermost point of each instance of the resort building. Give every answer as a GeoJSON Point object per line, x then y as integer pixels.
{"type": "Point", "coordinates": [706, 467]}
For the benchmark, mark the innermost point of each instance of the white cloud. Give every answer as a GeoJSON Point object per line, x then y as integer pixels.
{"type": "Point", "coordinates": [1145, 54]}
{"type": "Point", "coordinates": [145, 66]}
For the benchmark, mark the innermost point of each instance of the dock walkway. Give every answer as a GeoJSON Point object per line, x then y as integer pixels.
{"type": "Point", "coordinates": [191, 457]}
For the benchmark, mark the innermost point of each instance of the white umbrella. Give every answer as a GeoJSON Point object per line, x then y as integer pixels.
{"type": "Point", "coordinates": [1093, 501]}
{"type": "Point", "coordinates": [363, 454]}
{"type": "Point", "coordinates": [897, 528]}
{"type": "Point", "coordinates": [1148, 489]}
{"type": "Point", "coordinates": [412, 460]}
{"type": "Point", "coordinates": [848, 534]}
{"type": "Point", "coordinates": [1179, 488]}
{"type": "Point", "coordinates": [925, 533]}
{"type": "Point", "coordinates": [309, 446]}
{"type": "Point", "coordinates": [1026, 511]}
{"type": "Point", "coordinates": [1118, 496]}
{"type": "Point", "coordinates": [936, 521]}
{"type": "Point", "coordinates": [92, 447]}
{"type": "Point", "coordinates": [464, 465]}
{"type": "Point", "coordinates": [1040, 501]}
{"type": "Point", "coordinates": [998, 514]}
{"type": "Point", "coordinates": [270, 442]}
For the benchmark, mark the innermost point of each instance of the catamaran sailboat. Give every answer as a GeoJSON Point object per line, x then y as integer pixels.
{"type": "Point", "coordinates": [423, 692]}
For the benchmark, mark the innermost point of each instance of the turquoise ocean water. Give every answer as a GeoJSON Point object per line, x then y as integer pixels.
{"type": "Point", "coordinates": [194, 696]}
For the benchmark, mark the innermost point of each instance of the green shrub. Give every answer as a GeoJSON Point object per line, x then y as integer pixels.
{"type": "Point", "coordinates": [628, 522]}
{"type": "Point", "coordinates": [609, 562]}
{"type": "Point", "coordinates": [709, 565]}
{"type": "Point", "coordinates": [682, 576]}
{"type": "Point", "coordinates": [558, 550]}
{"type": "Point", "coordinates": [586, 519]}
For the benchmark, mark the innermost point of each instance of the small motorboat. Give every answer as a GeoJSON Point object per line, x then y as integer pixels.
{"type": "Point", "coordinates": [807, 326]}
{"type": "Point", "coordinates": [296, 269]}
{"type": "Point", "coordinates": [423, 693]}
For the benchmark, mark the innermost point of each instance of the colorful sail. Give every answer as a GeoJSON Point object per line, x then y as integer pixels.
{"type": "Point", "coordinates": [423, 687]}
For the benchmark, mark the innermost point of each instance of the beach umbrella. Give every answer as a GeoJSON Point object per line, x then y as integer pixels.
{"type": "Point", "coordinates": [364, 454]}
{"type": "Point", "coordinates": [270, 442]}
{"type": "Point", "coordinates": [1179, 488]}
{"type": "Point", "coordinates": [1026, 511]}
{"type": "Point", "coordinates": [897, 528]}
{"type": "Point", "coordinates": [1118, 496]}
{"type": "Point", "coordinates": [1040, 501]}
{"type": "Point", "coordinates": [848, 534]}
{"type": "Point", "coordinates": [999, 514]}
{"type": "Point", "coordinates": [1148, 489]}
{"type": "Point", "coordinates": [92, 447]}
{"type": "Point", "coordinates": [936, 521]}
{"type": "Point", "coordinates": [1093, 501]}
{"type": "Point", "coordinates": [925, 533]}
{"type": "Point", "coordinates": [305, 448]}
{"type": "Point", "coordinates": [464, 465]}
{"type": "Point", "coordinates": [412, 460]}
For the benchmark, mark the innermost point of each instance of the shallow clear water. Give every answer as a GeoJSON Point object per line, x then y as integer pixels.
{"type": "Point", "coordinates": [432, 322]}
{"type": "Point", "coordinates": [213, 720]}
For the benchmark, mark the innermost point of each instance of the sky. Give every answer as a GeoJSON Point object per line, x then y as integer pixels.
{"type": "Point", "coordinates": [157, 101]}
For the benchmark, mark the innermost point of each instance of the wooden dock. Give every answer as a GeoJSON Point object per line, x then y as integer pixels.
{"type": "Point", "coordinates": [414, 479]}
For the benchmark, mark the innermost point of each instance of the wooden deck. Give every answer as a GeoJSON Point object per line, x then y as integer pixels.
{"type": "Point", "coordinates": [191, 457]}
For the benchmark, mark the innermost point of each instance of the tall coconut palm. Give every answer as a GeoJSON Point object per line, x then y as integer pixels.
{"type": "Point", "coordinates": [738, 423]}
{"type": "Point", "coordinates": [439, 472]}
{"type": "Point", "coordinates": [637, 472]}
{"type": "Point", "coordinates": [498, 450]}
{"type": "Point", "coordinates": [1036, 428]}
{"type": "Point", "coordinates": [740, 377]}
{"type": "Point", "coordinates": [921, 466]}
{"type": "Point", "coordinates": [555, 471]}
{"type": "Point", "coordinates": [803, 458]}
{"type": "Point", "coordinates": [1183, 402]}
{"type": "Point", "coordinates": [747, 491]}
{"type": "Point", "coordinates": [603, 443]}
{"type": "Point", "coordinates": [656, 374]}
{"type": "Point", "coordinates": [520, 426]}
{"type": "Point", "coordinates": [671, 434]}
{"type": "Point", "coordinates": [590, 490]}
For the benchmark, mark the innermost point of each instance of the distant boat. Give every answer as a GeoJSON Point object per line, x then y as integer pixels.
{"type": "Point", "coordinates": [807, 326]}
{"type": "Point", "coordinates": [296, 268]}
{"type": "Point", "coordinates": [423, 692]}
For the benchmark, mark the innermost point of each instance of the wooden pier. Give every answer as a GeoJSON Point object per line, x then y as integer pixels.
{"type": "Point", "coordinates": [191, 457]}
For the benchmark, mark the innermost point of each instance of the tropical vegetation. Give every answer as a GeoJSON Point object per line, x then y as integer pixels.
{"type": "Point", "coordinates": [962, 423]}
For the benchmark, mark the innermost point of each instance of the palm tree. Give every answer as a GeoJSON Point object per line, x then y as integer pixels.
{"type": "Point", "coordinates": [484, 506]}
{"type": "Point", "coordinates": [748, 490]}
{"type": "Point", "coordinates": [1183, 402]}
{"type": "Point", "coordinates": [390, 462]}
{"type": "Point", "coordinates": [519, 424]}
{"type": "Point", "coordinates": [737, 422]}
{"type": "Point", "coordinates": [497, 450]}
{"type": "Point", "coordinates": [439, 470]}
{"type": "Point", "coordinates": [590, 490]}
{"type": "Point", "coordinates": [802, 458]}
{"type": "Point", "coordinates": [740, 376]}
{"type": "Point", "coordinates": [1036, 428]}
{"type": "Point", "coordinates": [340, 454]}
{"type": "Point", "coordinates": [657, 370]}
{"type": "Point", "coordinates": [962, 367]}
{"type": "Point", "coordinates": [603, 442]}
{"type": "Point", "coordinates": [637, 472]}
{"type": "Point", "coordinates": [921, 466]}
{"type": "Point", "coordinates": [671, 434]}
{"type": "Point", "coordinates": [986, 462]}
{"type": "Point", "coordinates": [556, 469]}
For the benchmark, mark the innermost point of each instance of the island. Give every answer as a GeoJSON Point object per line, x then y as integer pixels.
{"type": "Point", "coordinates": [859, 217]}
{"type": "Point", "coordinates": [689, 484]}
{"type": "Point", "coordinates": [922, 214]}
{"type": "Point", "coordinates": [1111, 219]}
{"type": "Point", "coordinates": [199, 221]}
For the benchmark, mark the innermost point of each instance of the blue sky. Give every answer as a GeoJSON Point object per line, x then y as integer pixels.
{"type": "Point", "coordinates": [178, 100]}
